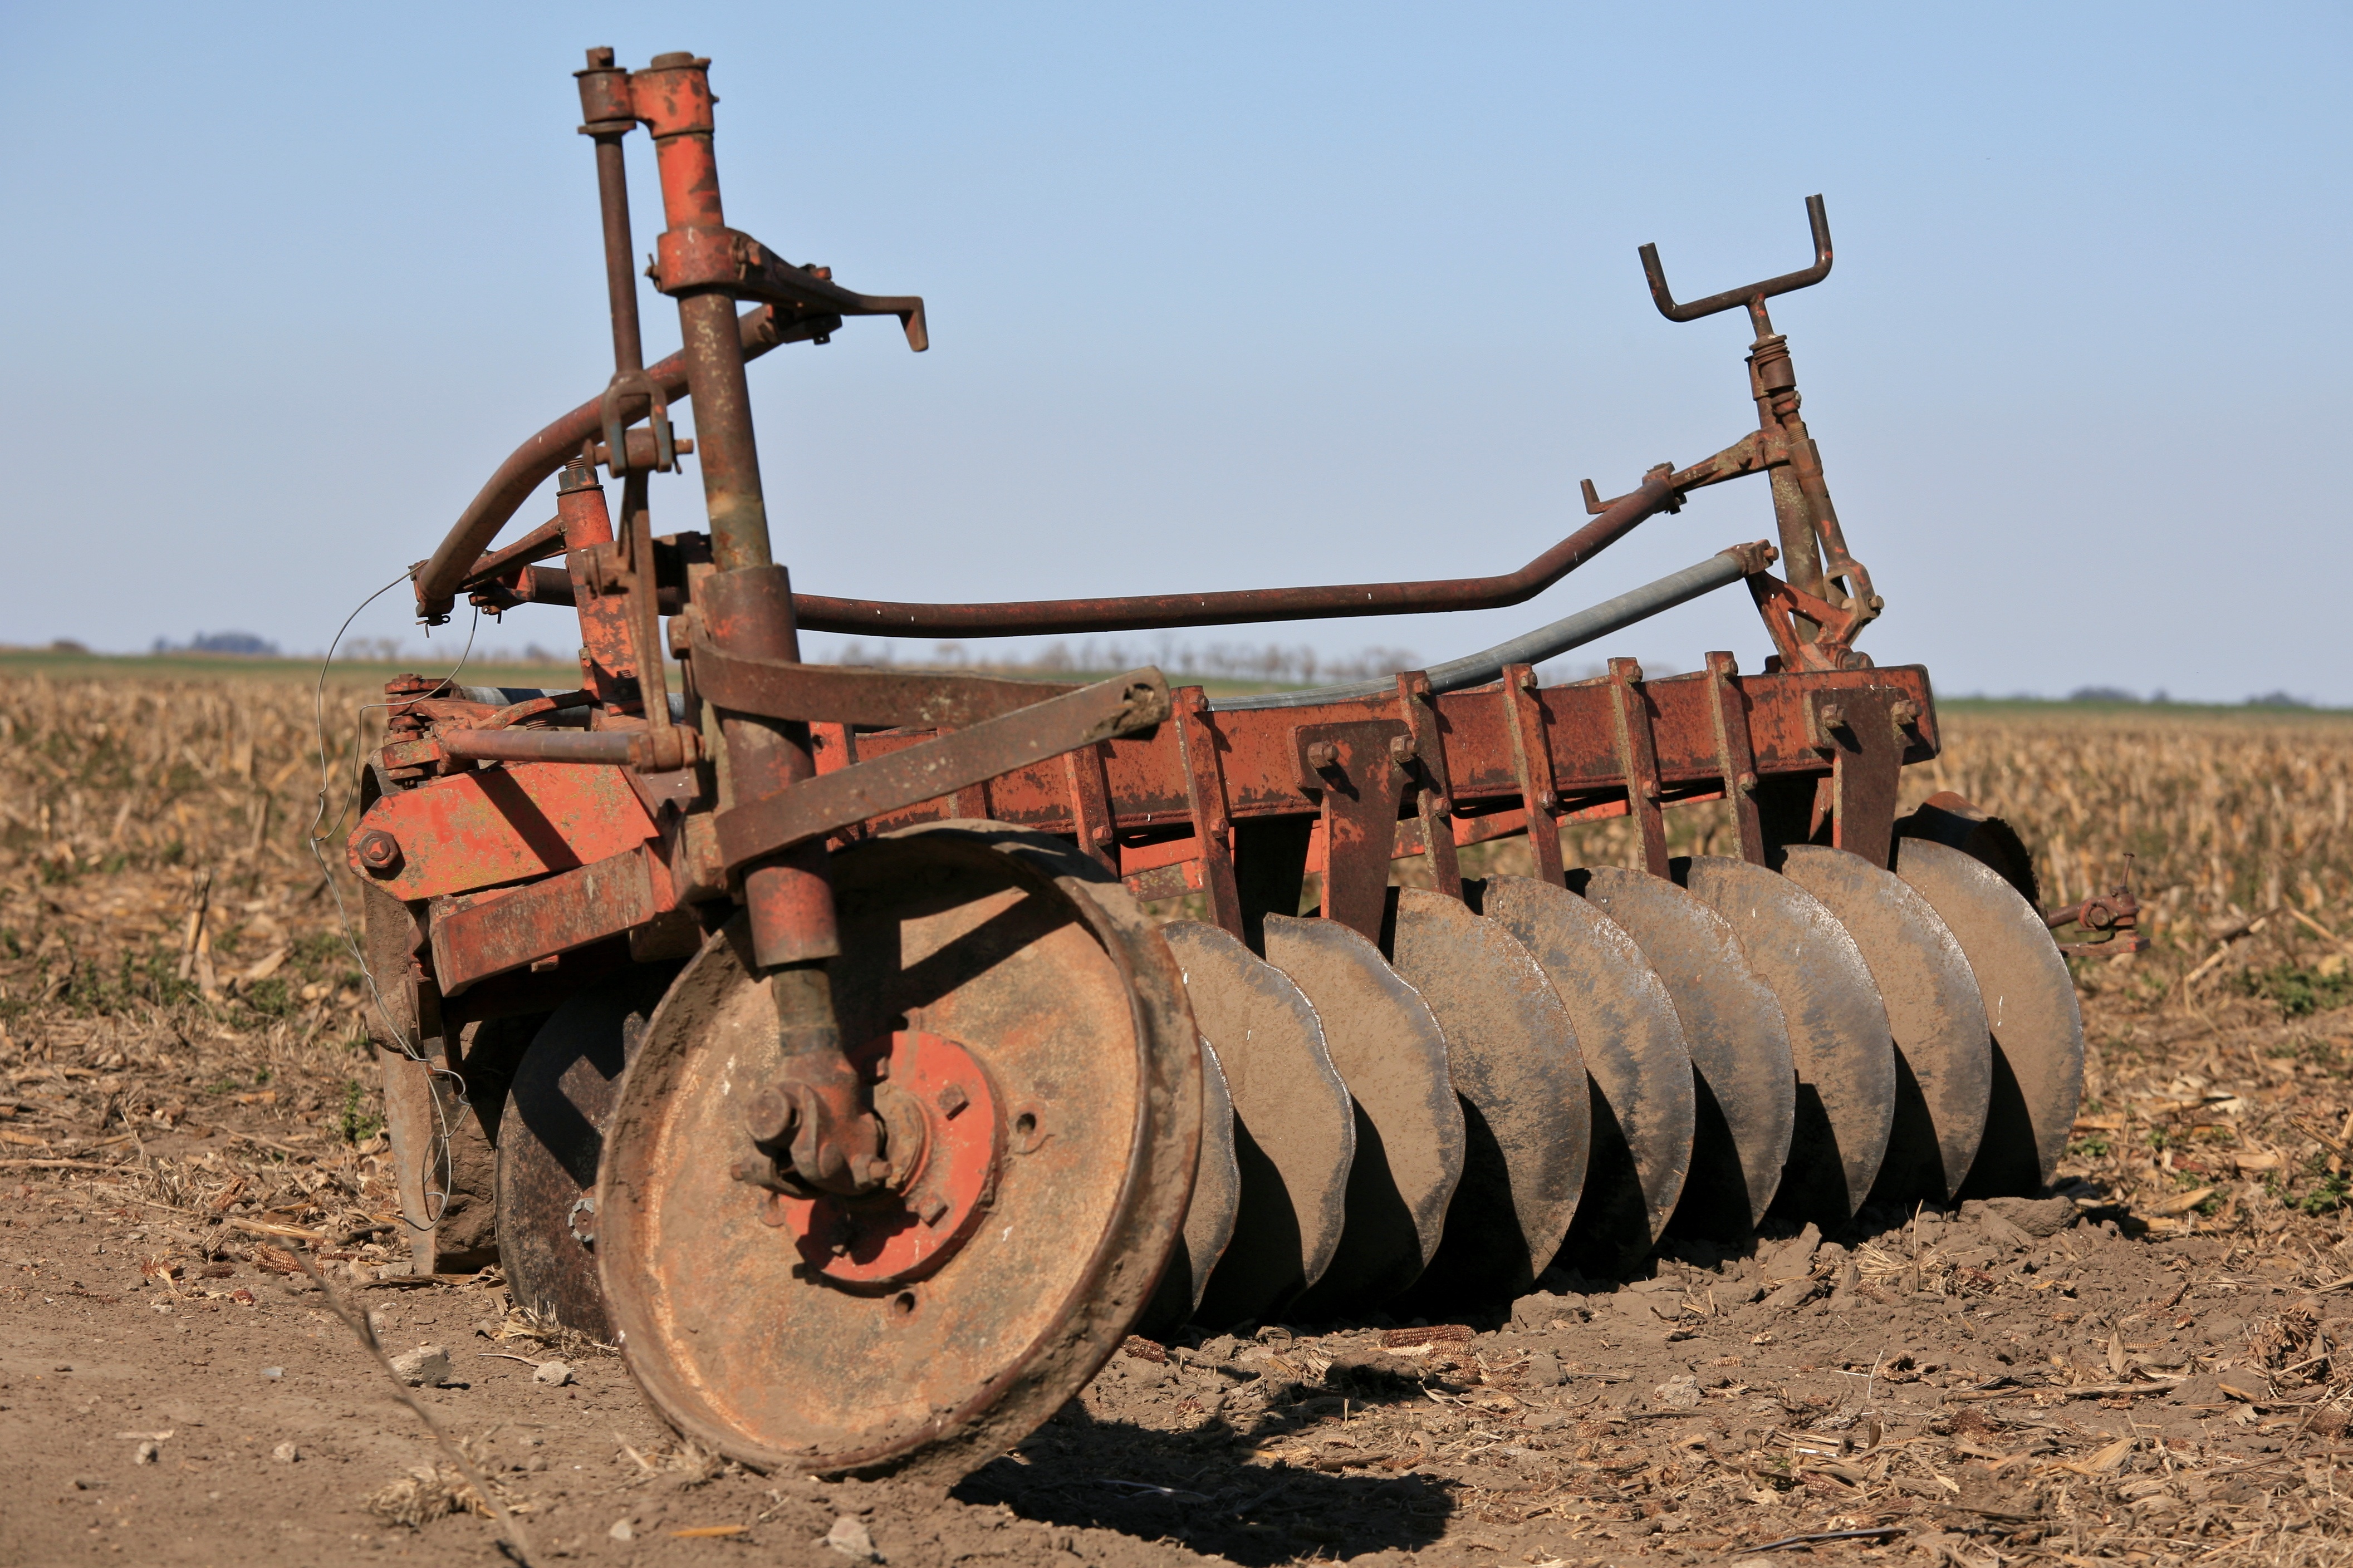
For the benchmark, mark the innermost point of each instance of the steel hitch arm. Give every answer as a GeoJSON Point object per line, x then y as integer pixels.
{"type": "Point", "coordinates": [704, 260]}
{"type": "Point", "coordinates": [828, 803]}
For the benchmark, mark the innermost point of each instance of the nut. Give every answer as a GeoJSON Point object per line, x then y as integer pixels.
{"type": "Point", "coordinates": [1833, 716]}
{"type": "Point", "coordinates": [1323, 755]}
{"type": "Point", "coordinates": [768, 1117]}
{"type": "Point", "coordinates": [1402, 748]}
{"type": "Point", "coordinates": [380, 852]}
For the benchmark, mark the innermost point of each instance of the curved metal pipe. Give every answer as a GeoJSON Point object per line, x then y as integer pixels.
{"type": "Point", "coordinates": [1546, 642]}
{"type": "Point", "coordinates": [873, 618]}
{"type": "Point", "coordinates": [527, 467]}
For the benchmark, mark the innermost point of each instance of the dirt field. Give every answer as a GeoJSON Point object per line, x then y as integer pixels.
{"type": "Point", "coordinates": [2141, 1367]}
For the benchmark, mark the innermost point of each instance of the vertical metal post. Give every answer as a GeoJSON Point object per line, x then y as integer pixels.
{"type": "Point", "coordinates": [1205, 787]}
{"type": "Point", "coordinates": [1532, 765]}
{"type": "Point", "coordinates": [748, 600]}
{"type": "Point", "coordinates": [1736, 758]}
{"type": "Point", "coordinates": [1772, 382]}
{"type": "Point", "coordinates": [1638, 759]}
{"type": "Point", "coordinates": [1090, 814]}
{"type": "Point", "coordinates": [1417, 705]}
{"type": "Point", "coordinates": [604, 107]}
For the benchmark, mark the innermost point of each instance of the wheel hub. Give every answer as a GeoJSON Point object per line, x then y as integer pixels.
{"type": "Point", "coordinates": [944, 1138]}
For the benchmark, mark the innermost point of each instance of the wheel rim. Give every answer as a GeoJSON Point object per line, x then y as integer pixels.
{"type": "Point", "coordinates": [976, 934]}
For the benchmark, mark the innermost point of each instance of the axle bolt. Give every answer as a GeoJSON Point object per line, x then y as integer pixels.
{"type": "Point", "coordinates": [768, 1117]}
{"type": "Point", "coordinates": [380, 852]}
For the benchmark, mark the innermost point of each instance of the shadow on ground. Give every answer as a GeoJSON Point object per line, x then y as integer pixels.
{"type": "Point", "coordinates": [1195, 1488]}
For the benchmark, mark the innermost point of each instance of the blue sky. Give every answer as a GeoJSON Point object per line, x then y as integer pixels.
{"type": "Point", "coordinates": [1224, 296]}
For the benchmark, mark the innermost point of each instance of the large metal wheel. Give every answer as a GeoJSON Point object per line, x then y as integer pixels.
{"type": "Point", "coordinates": [1294, 1134]}
{"type": "Point", "coordinates": [2030, 1006]}
{"type": "Point", "coordinates": [1943, 1055]}
{"type": "Point", "coordinates": [1391, 1054]}
{"type": "Point", "coordinates": [1743, 1073]}
{"type": "Point", "coordinates": [1526, 1112]}
{"type": "Point", "coordinates": [1036, 1025]}
{"type": "Point", "coordinates": [1209, 1220]}
{"type": "Point", "coordinates": [1839, 1042]}
{"type": "Point", "coordinates": [1637, 1068]}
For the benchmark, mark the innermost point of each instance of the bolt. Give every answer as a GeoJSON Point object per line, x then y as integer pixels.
{"type": "Point", "coordinates": [768, 1117]}
{"type": "Point", "coordinates": [882, 1069]}
{"type": "Point", "coordinates": [1440, 806]}
{"type": "Point", "coordinates": [952, 1100]}
{"type": "Point", "coordinates": [1649, 789]}
{"type": "Point", "coordinates": [877, 1168]}
{"type": "Point", "coordinates": [1323, 755]}
{"type": "Point", "coordinates": [934, 1208]}
{"type": "Point", "coordinates": [1833, 716]}
{"type": "Point", "coordinates": [1746, 784]}
{"type": "Point", "coordinates": [1904, 711]}
{"type": "Point", "coordinates": [380, 852]}
{"type": "Point", "coordinates": [1402, 748]}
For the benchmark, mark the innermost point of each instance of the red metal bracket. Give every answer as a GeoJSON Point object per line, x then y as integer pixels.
{"type": "Point", "coordinates": [1436, 803]}
{"type": "Point", "coordinates": [1638, 760]}
{"type": "Point", "coordinates": [1532, 767]}
{"type": "Point", "coordinates": [1205, 796]}
{"type": "Point", "coordinates": [1735, 757]}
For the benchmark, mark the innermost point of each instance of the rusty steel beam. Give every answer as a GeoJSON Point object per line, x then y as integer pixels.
{"type": "Point", "coordinates": [877, 699]}
{"type": "Point", "coordinates": [1028, 737]}
{"type": "Point", "coordinates": [510, 930]}
{"type": "Point", "coordinates": [498, 824]}
{"type": "Point", "coordinates": [1258, 750]}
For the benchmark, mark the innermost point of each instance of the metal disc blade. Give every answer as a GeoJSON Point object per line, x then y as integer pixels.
{"type": "Point", "coordinates": [1527, 1114]}
{"type": "Point", "coordinates": [2030, 1004]}
{"type": "Point", "coordinates": [1294, 1131]}
{"type": "Point", "coordinates": [1637, 1068]}
{"type": "Point", "coordinates": [1208, 1217]}
{"type": "Point", "coordinates": [995, 945]}
{"type": "Point", "coordinates": [1944, 1057]}
{"type": "Point", "coordinates": [1390, 1052]}
{"type": "Point", "coordinates": [1745, 1087]}
{"type": "Point", "coordinates": [1839, 1042]}
{"type": "Point", "coordinates": [551, 1136]}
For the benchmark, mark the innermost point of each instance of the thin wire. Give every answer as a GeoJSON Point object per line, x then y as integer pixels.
{"type": "Point", "coordinates": [322, 832]}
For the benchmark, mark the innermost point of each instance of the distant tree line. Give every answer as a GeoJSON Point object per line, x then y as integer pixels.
{"type": "Point", "coordinates": [2158, 698]}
